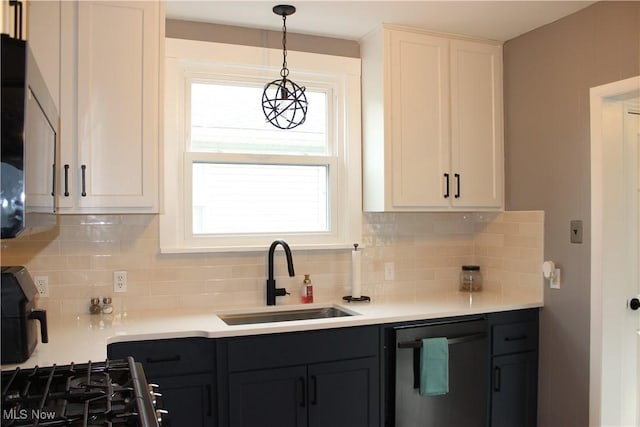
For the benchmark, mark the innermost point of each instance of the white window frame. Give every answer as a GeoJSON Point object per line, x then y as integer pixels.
{"type": "Point", "coordinates": [188, 59]}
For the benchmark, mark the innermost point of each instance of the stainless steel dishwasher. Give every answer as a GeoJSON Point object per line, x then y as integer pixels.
{"type": "Point", "coordinates": [466, 403]}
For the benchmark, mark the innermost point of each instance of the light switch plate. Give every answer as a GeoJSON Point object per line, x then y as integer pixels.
{"type": "Point", "coordinates": [576, 231]}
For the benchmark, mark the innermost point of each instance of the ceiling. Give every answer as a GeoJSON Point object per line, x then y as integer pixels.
{"type": "Point", "coordinates": [351, 20]}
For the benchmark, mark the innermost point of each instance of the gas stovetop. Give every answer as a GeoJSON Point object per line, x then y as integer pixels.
{"type": "Point", "coordinates": [109, 393]}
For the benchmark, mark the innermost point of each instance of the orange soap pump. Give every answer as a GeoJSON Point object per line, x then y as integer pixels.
{"type": "Point", "coordinates": [307, 290]}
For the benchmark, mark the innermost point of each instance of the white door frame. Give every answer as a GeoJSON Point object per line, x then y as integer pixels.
{"type": "Point", "coordinates": [600, 229]}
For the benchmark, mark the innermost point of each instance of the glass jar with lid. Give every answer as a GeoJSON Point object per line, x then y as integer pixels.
{"type": "Point", "coordinates": [470, 278]}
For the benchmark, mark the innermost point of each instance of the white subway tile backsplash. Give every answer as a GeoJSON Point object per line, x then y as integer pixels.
{"type": "Point", "coordinates": [427, 250]}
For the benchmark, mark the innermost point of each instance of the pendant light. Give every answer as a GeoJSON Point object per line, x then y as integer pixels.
{"type": "Point", "coordinates": [283, 102]}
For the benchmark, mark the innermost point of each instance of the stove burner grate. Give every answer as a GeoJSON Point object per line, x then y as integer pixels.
{"type": "Point", "coordinates": [109, 393]}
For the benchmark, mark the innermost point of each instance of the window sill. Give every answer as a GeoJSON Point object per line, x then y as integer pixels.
{"type": "Point", "coordinates": [255, 248]}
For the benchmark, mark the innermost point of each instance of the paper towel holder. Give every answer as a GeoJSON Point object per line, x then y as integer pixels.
{"type": "Point", "coordinates": [351, 298]}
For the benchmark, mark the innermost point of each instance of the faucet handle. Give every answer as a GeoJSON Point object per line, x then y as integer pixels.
{"type": "Point", "coordinates": [281, 292]}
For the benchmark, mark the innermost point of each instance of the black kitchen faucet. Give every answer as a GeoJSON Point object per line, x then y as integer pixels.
{"type": "Point", "coordinates": [272, 291]}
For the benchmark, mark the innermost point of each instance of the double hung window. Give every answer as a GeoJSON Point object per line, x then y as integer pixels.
{"type": "Point", "coordinates": [235, 182]}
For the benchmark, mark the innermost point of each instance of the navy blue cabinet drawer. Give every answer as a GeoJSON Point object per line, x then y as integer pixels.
{"type": "Point", "coordinates": [168, 357]}
{"type": "Point", "coordinates": [515, 337]}
{"type": "Point", "coordinates": [299, 348]}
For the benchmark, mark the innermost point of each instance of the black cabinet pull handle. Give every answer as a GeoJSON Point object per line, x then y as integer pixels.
{"type": "Point", "coordinates": [303, 392]}
{"type": "Point", "coordinates": [634, 304]}
{"type": "Point", "coordinates": [457, 176]}
{"type": "Point", "coordinates": [314, 382]}
{"type": "Point", "coordinates": [175, 358]}
{"type": "Point", "coordinates": [84, 187]}
{"type": "Point", "coordinates": [496, 378]}
{"type": "Point", "coordinates": [17, 18]}
{"type": "Point", "coordinates": [66, 180]}
{"type": "Point", "coordinates": [446, 181]}
{"type": "Point", "coordinates": [518, 338]}
{"type": "Point", "coordinates": [209, 401]}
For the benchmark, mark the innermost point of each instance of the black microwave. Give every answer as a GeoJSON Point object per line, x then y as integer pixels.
{"type": "Point", "coordinates": [29, 144]}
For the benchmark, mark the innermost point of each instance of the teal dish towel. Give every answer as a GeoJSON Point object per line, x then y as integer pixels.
{"type": "Point", "coordinates": [434, 367]}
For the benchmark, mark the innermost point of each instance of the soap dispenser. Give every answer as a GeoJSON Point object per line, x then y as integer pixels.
{"type": "Point", "coordinates": [307, 290]}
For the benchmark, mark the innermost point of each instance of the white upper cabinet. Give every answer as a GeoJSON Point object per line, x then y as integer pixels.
{"type": "Point", "coordinates": [477, 153]}
{"type": "Point", "coordinates": [420, 134]}
{"type": "Point", "coordinates": [110, 64]}
{"type": "Point", "coordinates": [43, 36]}
{"type": "Point", "coordinates": [432, 123]}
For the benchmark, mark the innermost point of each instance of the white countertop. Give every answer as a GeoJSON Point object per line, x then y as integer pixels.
{"type": "Point", "coordinates": [82, 338]}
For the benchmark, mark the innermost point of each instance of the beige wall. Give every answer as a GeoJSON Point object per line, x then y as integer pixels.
{"type": "Point", "coordinates": [548, 73]}
{"type": "Point", "coordinates": [260, 38]}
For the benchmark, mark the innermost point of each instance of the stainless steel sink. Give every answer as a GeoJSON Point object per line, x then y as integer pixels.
{"type": "Point", "coordinates": [284, 315]}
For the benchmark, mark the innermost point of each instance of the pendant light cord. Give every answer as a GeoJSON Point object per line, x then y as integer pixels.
{"type": "Point", "coordinates": [285, 71]}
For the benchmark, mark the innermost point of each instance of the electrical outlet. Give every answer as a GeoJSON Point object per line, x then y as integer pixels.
{"type": "Point", "coordinates": [389, 271]}
{"type": "Point", "coordinates": [42, 284]}
{"type": "Point", "coordinates": [119, 281]}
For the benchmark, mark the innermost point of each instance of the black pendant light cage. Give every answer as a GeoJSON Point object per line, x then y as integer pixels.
{"type": "Point", "coordinates": [284, 103]}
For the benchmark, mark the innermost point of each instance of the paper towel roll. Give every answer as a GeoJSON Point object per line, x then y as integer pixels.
{"type": "Point", "coordinates": [355, 274]}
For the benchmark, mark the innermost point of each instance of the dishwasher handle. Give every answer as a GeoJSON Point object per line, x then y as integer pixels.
{"type": "Point", "coordinates": [451, 341]}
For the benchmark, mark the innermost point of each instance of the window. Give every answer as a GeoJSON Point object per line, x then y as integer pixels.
{"type": "Point", "coordinates": [235, 182]}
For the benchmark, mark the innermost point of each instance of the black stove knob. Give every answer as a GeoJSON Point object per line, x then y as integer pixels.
{"type": "Point", "coordinates": [634, 304]}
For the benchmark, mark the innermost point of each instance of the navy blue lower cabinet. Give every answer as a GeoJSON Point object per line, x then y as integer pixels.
{"type": "Point", "coordinates": [189, 399]}
{"type": "Point", "coordinates": [514, 390]}
{"type": "Point", "coordinates": [514, 368]}
{"type": "Point", "coordinates": [269, 397]}
{"type": "Point", "coordinates": [183, 369]}
{"type": "Point", "coordinates": [325, 378]}
{"type": "Point", "coordinates": [343, 394]}
{"type": "Point", "coordinates": [335, 394]}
